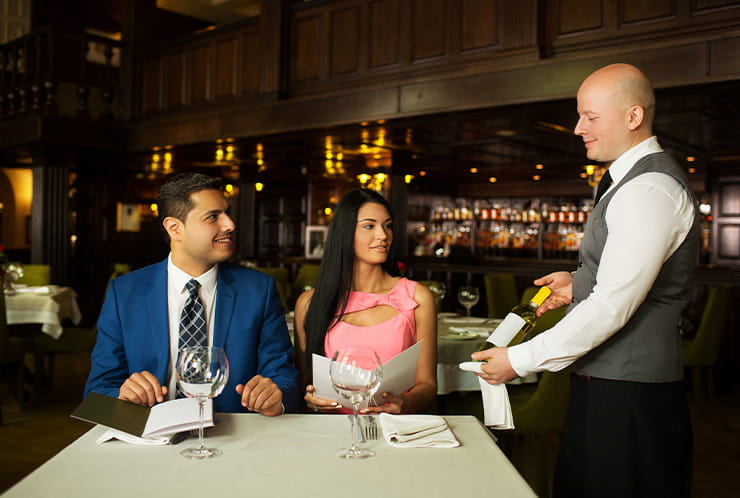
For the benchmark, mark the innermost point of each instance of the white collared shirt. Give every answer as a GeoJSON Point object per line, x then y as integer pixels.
{"type": "Point", "coordinates": [177, 294]}
{"type": "Point", "coordinates": [647, 220]}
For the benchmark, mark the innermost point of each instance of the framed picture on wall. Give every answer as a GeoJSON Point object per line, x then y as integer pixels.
{"type": "Point", "coordinates": [315, 240]}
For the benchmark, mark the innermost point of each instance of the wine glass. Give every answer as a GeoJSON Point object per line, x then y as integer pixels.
{"type": "Point", "coordinates": [355, 374]}
{"type": "Point", "coordinates": [468, 297]}
{"type": "Point", "coordinates": [202, 373]}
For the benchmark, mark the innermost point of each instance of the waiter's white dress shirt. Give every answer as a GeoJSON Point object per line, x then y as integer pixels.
{"type": "Point", "coordinates": [647, 220]}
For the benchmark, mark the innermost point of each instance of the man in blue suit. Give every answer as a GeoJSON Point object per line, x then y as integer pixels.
{"type": "Point", "coordinates": [138, 328]}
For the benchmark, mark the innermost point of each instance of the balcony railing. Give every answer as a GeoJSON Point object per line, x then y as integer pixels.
{"type": "Point", "coordinates": [51, 71]}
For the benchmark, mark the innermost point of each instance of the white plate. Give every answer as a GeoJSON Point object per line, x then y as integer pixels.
{"type": "Point", "coordinates": [447, 314]}
{"type": "Point", "coordinates": [472, 320]}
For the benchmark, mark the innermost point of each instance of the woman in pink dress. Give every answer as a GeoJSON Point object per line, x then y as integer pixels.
{"type": "Point", "coordinates": [359, 300]}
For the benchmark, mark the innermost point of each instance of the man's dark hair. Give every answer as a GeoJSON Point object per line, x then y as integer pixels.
{"type": "Point", "coordinates": [174, 196]}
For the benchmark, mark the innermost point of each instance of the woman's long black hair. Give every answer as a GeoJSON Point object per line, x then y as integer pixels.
{"type": "Point", "coordinates": [334, 281]}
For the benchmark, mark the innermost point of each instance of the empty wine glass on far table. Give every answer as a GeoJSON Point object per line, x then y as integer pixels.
{"type": "Point", "coordinates": [202, 373]}
{"type": "Point", "coordinates": [468, 297]}
{"type": "Point", "coordinates": [355, 374]}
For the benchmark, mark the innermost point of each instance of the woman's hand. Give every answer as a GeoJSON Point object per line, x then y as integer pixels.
{"type": "Point", "coordinates": [319, 404]}
{"type": "Point", "coordinates": [393, 404]}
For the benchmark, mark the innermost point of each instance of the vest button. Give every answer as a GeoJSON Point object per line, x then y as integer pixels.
{"type": "Point", "coordinates": [580, 263]}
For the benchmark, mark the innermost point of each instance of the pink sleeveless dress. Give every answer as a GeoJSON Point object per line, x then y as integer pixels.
{"type": "Point", "coordinates": [387, 338]}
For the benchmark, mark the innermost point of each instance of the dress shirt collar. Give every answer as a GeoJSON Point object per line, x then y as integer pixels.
{"type": "Point", "coordinates": [179, 278]}
{"type": "Point", "coordinates": [623, 164]}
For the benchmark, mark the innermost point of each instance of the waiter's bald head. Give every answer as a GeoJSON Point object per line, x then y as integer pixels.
{"type": "Point", "coordinates": [629, 87]}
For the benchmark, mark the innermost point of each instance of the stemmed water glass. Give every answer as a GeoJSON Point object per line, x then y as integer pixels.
{"type": "Point", "coordinates": [202, 373]}
{"type": "Point", "coordinates": [468, 297]}
{"type": "Point", "coordinates": [438, 290]}
{"type": "Point", "coordinates": [355, 374]}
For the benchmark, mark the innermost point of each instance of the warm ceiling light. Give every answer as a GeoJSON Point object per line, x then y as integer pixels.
{"type": "Point", "coordinates": [692, 170]}
{"type": "Point", "coordinates": [364, 178]}
{"type": "Point", "coordinates": [422, 173]}
{"type": "Point", "coordinates": [590, 169]}
{"type": "Point", "coordinates": [473, 170]}
{"type": "Point", "coordinates": [536, 178]}
{"type": "Point", "coordinates": [690, 159]}
{"type": "Point", "coordinates": [259, 186]}
{"type": "Point", "coordinates": [229, 188]}
{"type": "Point", "coordinates": [583, 174]}
{"type": "Point", "coordinates": [492, 179]}
{"type": "Point", "coordinates": [539, 166]}
{"type": "Point", "coordinates": [408, 178]}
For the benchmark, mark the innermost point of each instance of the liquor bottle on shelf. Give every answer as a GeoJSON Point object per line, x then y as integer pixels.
{"type": "Point", "coordinates": [521, 318]}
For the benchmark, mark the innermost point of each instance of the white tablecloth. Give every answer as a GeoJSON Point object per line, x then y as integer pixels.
{"type": "Point", "coordinates": [47, 309]}
{"type": "Point", "coordinates": [288, 456]}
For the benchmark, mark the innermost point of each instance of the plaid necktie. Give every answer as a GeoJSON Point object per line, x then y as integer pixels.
{"type": "Point", "coordinates": [604, 184]}
{"type": "Point", "coordinates": [193, 330]}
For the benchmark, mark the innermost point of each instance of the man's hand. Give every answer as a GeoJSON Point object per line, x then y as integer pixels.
{"type": "Point", "coordinates": [142, 388]}
{"type": "Point", "coordinates": [261, 395]}
{"type": "Point", "coordinates": [497, 369]}
{"type": "Point", "coordinates": [561, 285]}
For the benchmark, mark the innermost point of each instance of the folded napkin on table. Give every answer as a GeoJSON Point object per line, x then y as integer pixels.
{"type": "Point", "coordinates": [496, 406]}
{"type": "Point", "coordinates": [131, 439]}
{"type": "Point", "coordinates": [417, 431]}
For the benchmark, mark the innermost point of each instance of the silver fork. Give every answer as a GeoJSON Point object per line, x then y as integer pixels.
{"type": "Point", "coordinates": [370, 428]}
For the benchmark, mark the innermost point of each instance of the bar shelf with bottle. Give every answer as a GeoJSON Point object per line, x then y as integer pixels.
{"type": "Point", "coordinates": [543, 228]}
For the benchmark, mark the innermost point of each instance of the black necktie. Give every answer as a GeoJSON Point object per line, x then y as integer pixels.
{"type": "Point", "coordinates": [604, 184]}
{"type": "Point", "coordinates": [193, 330]}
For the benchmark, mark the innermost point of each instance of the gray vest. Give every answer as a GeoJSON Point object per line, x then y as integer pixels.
{"type": "Point", "coordinates": [648, 347]}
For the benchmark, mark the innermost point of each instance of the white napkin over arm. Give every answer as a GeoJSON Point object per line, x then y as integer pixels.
{"type": "Point", "coordinates": [496, 405]}
{"type": "Point", "coordinates": [417, 431]}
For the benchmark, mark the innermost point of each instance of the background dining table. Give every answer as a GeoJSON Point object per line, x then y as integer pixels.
{"type": "Point", "coordinates": [46, 305]}
{"type": "Point", "coordinates": [292, 455]}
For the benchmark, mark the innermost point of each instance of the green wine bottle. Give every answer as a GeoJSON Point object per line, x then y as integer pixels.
{"type": "Point", "coordinates": [521, 318]}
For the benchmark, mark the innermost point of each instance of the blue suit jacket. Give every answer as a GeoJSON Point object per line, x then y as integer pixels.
{"type": "Point", "coordinates": [133, 333]}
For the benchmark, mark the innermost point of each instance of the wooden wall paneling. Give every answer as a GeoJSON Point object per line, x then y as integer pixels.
{"type": "Point", "coordinates": [269, 212]}
{"type": "Point", "coordinates": [294, 224]}
{"type": "Point", "coordinates": [250, 67]}
{"type": "Point", "coordinates": [344, 40]}
{"type": "Point", "coordinates": [384, 33]}
{"type": "Point", "coordinates": [704, 6]}
{"type": "Point", "coordinates": [428, 29]}
{"type": "Point", "coordinates": [639, 11]}
{"type": "Point", "coordinates": [151, 80]}
{"type": "Point", "coordinates": [517, 23]}
{"type": "Point", "coordinates": [478, 24]}
{"type": "Point", "coordinates": [199, 74]}
{"type": "Point", "coordinates": [726, 221]}
{"type": "Point", "coordinates": [725, 57]}
{"type": "Point", "coordinates": [174, 79]}
{"type": "Point", "coordinates": [306, 58]}
{"type": "Point", "coordinates": [575, 17]}
{"type": "Point", "coordinates": [224, 72]}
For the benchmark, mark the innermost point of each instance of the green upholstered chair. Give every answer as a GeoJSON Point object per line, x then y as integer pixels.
{"type": "Point", "coordinates": [35, 275]}
{"type": "Point", "coordinates": [541, 415]}
{"type": "Point", "coordinates": [702, 352]}
{"type": "Point", "coordinates": [307, 276]}
{"type": "Point", "coordinates": [501, 293]}
{"type": "Point", "coordinates": [281, 282]}
{"type": "Point", "coordinates": [438, 290]}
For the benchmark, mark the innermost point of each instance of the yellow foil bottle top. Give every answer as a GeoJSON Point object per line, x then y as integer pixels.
{"type": "Point", "coordinates": [541, 295]}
